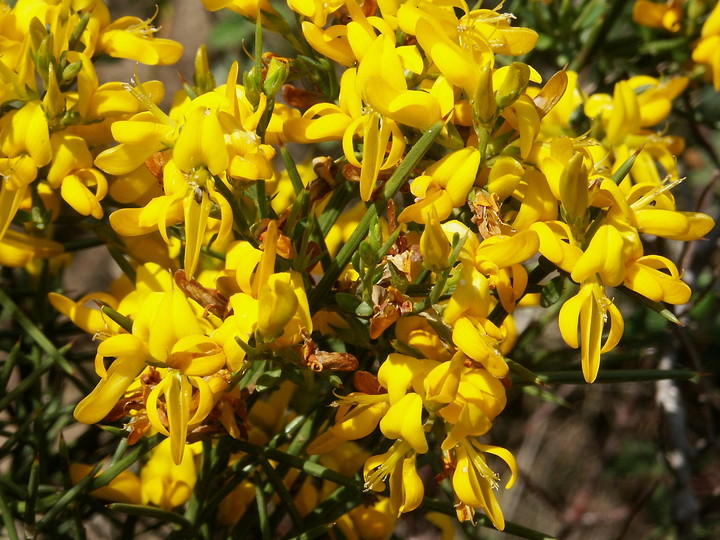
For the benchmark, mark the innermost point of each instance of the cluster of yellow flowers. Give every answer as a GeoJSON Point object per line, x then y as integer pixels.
{"type": "Point", "coordinates": [237, 265]}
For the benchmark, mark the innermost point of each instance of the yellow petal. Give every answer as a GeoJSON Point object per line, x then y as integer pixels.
{"type": "Point", "coordinates": [508, 251]}
{"type": "Point", "coordinates": [396, 374]}
{"type": "Point", "coordinates": [106, 394]}
{"type": "Point", "coordinates": [404, 420]}
{"type": "Point", "coordinates": [178, 394]}
{"type": "Point", "coordinates": [196, 355]}
{"type": "Point", "coordinates": [477, 345]}
{"type": "Point", "coordinates": [201, 143]}
{"type": "Point", "coordinates": [674, 225]}
{"type": "Point", "coordinates": [605, 256]}
{"type": "Point", "coordinates": [441, 384]}
{"type": "Point", "coordinates": [412, 488]}
{"type": "Point", "coordinates": [277, 304]}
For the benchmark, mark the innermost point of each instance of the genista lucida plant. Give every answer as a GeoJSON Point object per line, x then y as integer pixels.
{"type": "Point", "coordinates": [331, 257]}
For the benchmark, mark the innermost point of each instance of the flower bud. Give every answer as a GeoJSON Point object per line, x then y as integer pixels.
{"type": "Point", "coordinates": [74, 43]}
{"type": "Point", "coordinates": [252, 87]}
{"type": "Point", "coordinates": [37, 33]}
{"type": "Point", "coordinates": [483, 102]}
{"type": "Point", "coordinates": [43, 58]}
{"type": "Point", "coordinates": [516, 80]}
{"type": "Point", "coordinates": [277, 73]}
{"type": "Point", "coordinates": [203, 78]}
{"type": "Point", "coordinates": [434, 244]}
{"type": "Point", "coordinates": [574, 187]}
{"type": "Point", "coordinates": [54, 100]}
{"type": "Point", "coordinates": [71, 70]}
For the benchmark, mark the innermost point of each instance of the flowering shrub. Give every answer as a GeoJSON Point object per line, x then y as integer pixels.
{"type": "Point", "coordinates": [322, 256]}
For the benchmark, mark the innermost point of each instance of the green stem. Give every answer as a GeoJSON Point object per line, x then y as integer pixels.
{"type": "Point", "coordinates": [448, 509]}
{"type": "Point", "coordinates": [35, 334]}
{"type": "Point", "coordinates": [597, 36]}
{"type": "Point", "coordinates": [8, 518]}
{"type": "Point", "coordinates": [611, 376]}
{"type": "Point", "coordinates": [239, 220]}
{"type": "Point", "coordinates": [320, 293]}
{"type": "Point", "coordinates": [292, 170]}
{"type": "Point", "coordinates": [313, 469]}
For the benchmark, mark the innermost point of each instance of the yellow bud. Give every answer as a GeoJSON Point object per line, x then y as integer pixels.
{"type": "Point", "coordinates": [203, 78]}
{"type": "Point", "coordinates": [54, 100]}
{"type": "Point", "coordinates": [515, 83]}
{"type": "Point", "coordinates": [37, 33]}
{"type": "Point", "coordinates": [483, 102]}
{"type": "Point", "coordinates": [43, 58]}
{"type": "Point", "coordinates": [574, 187]}
{"type": "Point", "coordinates": [434, 244]}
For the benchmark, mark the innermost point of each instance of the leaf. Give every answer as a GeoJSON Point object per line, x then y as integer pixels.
{"type": "Point", "coordinates": [624, 169]}
{"type": "Point", "coordinates": [125, 323]}
{"type": "Point", "coordinates": [552, 291]}
{"type": "Point", "coordinates": [347, 302]}
{"type": "Point", "coordinates": [268, 380]}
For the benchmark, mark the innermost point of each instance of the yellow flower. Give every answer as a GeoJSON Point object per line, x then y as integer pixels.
{"type": "Point", "coordinates": [434, 245]}
{"type": "Point", "coordinates": [358, 415]}
{"type": "Point", "coordinates": [168, 335]}
{"type": "Point", "coordinates": [188, 401]}
{"type": "Point", "coordinates": [406, 487]}
{"type": "Point", "coordinates": [479, 398]}
{"type": "Point", "coordinates": [273, 304]}
{"type": "Point", "coordinates": [637, 104]}
{"type": "Point", "coordinates": [370, 522]}
{"type": "Point", "coordinates": [344, 43]}
{"type": "Point", "coordinates": [124, 488]}
{"type": "Point", "coordinates": [315, 9]}
{"type": "Point", "coordinates": [167, 484]}
{"type": "Point", "coordinates": [131, 358]}
{"type": "Point", "coordinates": [143, 135]}
{"type": "Point", "coordinates": [609, 250]}
{"type": "Point", "coordinates": [461, 47]}
{"type": "Point", "coordinates": [667, 15]}
{"type": "Point", "coordinates": [441, 384]}
{"type": "Point", "coordinates": [247, 8]}
{"type": "Point", "coordinates": [417, 332]}
{"type": "Point", "coordinates": [403, 420]}
{"type": "Point", "coordinates": [24, 148]}
{"type": "Point", "coordinates": [72, 171]}
{"type": "Point", "coordinates": [480, 340]}
{"type": "Point", "coordinates": [444, 185]}
{"type": "Point", "coordinates": [382, 85]}
{"type": "Point", "coordinates": [326, 122]}
{"type": "Point", "coordinates": [17, 249]}
{"type": "Point", "coordinates": [707, 50]}
{"type": "Point", "coordinates": [474, 482]}
{"type": "Point", "coordinates": [647, 276]}
{"type": "Point", "coordinates": [133, 38]}
{"type": "Point", "coordinates": [589, 311]}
